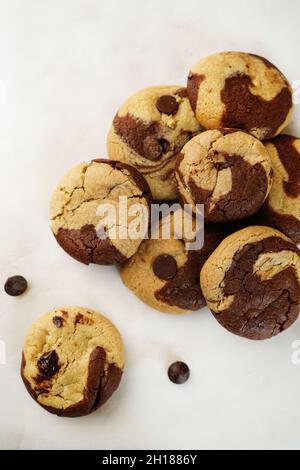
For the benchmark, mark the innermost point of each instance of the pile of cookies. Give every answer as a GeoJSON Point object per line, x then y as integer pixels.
{"type": "Point", "coordinates": [217, 143]}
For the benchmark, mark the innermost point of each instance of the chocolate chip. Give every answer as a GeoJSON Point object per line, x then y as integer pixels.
{"type": "Point", "coordinates": [81, 319]}
{"type": "Point", "coordinates": [151, 148]}
{"type": "Point", "coordinates": [15, 285]}
{"type": "Point", "coordinates": [164, 145]}
{"type": "Point", "coordinates": [165, 267]}
{"type": "Point", "coordinates": [182, 93]}
{"type": "Point", "coordinates": [58, 321]}
{"type": "Point", "coordinates": [167, 104]}
{"type": "Point", "coordinates": [48, 364]}
{"type": "Point", "coordinates": [178, 372]}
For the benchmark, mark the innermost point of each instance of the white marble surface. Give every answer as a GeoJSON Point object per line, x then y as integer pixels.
{"type": "Point", "coordinates": [67, 65]}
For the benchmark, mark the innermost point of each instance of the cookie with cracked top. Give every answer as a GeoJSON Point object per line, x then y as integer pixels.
{"type": "Point", "coordinates": [149, 131]}
{"type": "Point", "coordinates": [236, 89]}
{"type": "Point", "coordinates": [251, 282]}
{"type": "Point", "coordinates": [164, 274]}
{"type": "Point", "coordinates": [282, 207]}
{"type": "Point", "coordinates": [79, 219]}
{"type": "Point", "coordinates": [72, 361]}
{"type": "Point", "coordinates": [228, 171]}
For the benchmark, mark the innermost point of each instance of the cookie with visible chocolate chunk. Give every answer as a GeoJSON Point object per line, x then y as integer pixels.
{"type": "Point", "coordinates": [72, 361]}
{"type": "Point", "coordinates": [165, 274]}
{"type": "Point", "coordinates": [282, 207]}
{"type": "Point", "coordinates": [236, 89]}
{"type": "Point", "coordinates": [149, 131]}
{"type": "Point", "coordinates": [251, 282]}
{"type": "Point", "coordinates": [90, 211]}
{"type": "Point", "coordinates": [228, 171]}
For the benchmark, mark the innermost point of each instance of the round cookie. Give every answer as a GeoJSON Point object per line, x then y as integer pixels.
{"type": "Point", "coordinates": [251, 282]}
{"type": "Point", "coordinates": [228, 171]}
{"type": "Point", "coordinates": [72, 361]}
{"type": "Point", "coordinates": [165, 275]}
{"type": "Point", "coordinates": [282, 207]}
{"type": "Point", "coordinates": [78, 214]}
{"type": "Point", "coordinates": [246, 91]}
{"type": "Point", "coordinates": [149, 131]}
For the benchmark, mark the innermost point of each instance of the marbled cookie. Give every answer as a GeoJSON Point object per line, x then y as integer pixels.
{"type": "Point", "coordinates": [148, 132]}
{"type": "Point", "coordinates": [227, 170]}
{"type": "Point", "coordinates": [235, 89]}
{"type": "Point", "coordinates": [164, 275]}
{"type": "Point", "coordinates": [282, 208]}
{"type": "Point", "coordinates": [73, 361]}
{"type": "Point", "coordinates": [77, 222]}
{"type": "Point", "coordinates": [251, 282]}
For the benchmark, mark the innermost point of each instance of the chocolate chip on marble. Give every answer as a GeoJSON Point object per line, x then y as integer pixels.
{"type": "Point", "coordinates": [15, 285]}
{"type": "Point", "coordinates": [178, 372]}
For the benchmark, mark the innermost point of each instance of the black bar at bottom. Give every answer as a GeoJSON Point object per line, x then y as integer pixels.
{"type": "Point", "coordinates": [105, 458]}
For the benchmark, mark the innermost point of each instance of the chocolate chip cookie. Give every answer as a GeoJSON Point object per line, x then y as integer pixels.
{"type": "Point", "coordinates": [165, 275]}
{"type": "Point", "coordinates": [228, 171]}
{"type": "Point", "coordinates": [149, 131]}
{"type": "Point", "coordinates": [72, 361]}
{"type": "Point", "coordinates": [282, 207]}
{"type": "Point", "coordinates": [91, 207]}
{"type": "Point", "coordinates": [251, 282]}
{"type": "Point", "coordinates": [235, 89]}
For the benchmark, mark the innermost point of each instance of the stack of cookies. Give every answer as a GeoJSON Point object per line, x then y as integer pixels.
{"type": "Point", "coordinates": [216, 143]}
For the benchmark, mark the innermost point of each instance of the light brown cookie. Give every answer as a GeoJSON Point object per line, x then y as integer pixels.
{"type": "Point", "coordinates": [282, 208]}
{"type": "Point", "coordinates": [78, 217]}
{"type": "Point", "coordinates": [235, 89]}
{"type": "Point", "coordinates": [165, 275]}
{"type": "Point", "coordinates": [73, 361]}
{"type": "Point", "coordinates": [251, 282]}
{"type": "Point", "coordinates": [149, 131]}
{"type": "Point", "coordinates": [227, 170]}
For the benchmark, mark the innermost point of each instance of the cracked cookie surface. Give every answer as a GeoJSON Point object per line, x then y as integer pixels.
{"type": "Point", "coordinates": [282, 207]}
{"type": "Point", "coordinates": [251, 282]}
{"type": "Point", "coordinates": [228, 171]}
{"type": "Point", "coordinates": [236, 89]}
{"type": "Point", "coordinates": [72, 361]}
{"type": "Point", "coordinates": [79, 218]}
{"type": "Point", "coordinates": [149, 131]}
{"type": "Point", "coordinates": [165, 275]}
